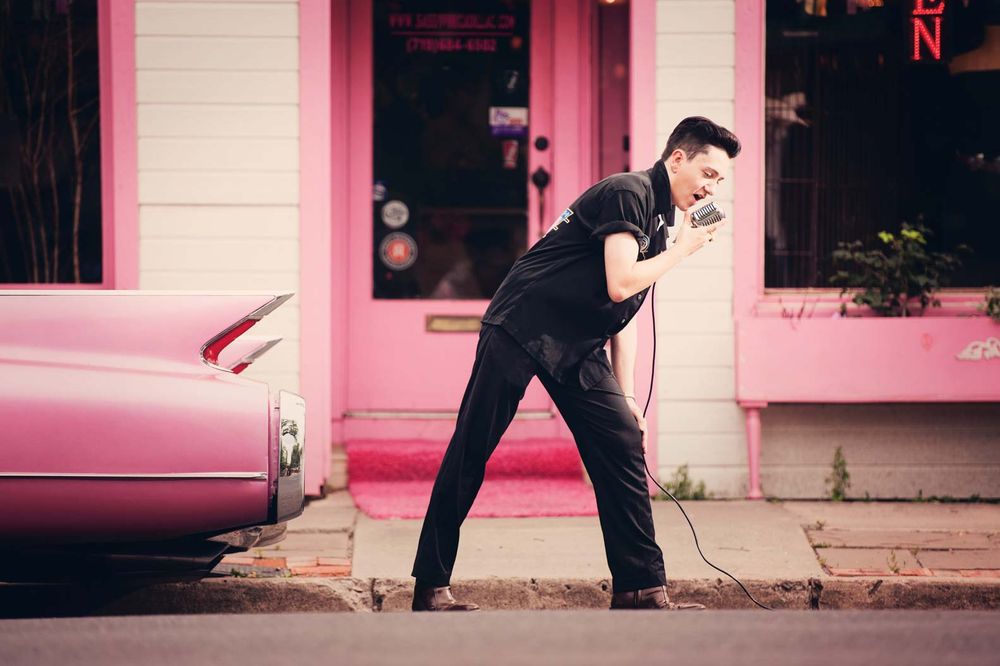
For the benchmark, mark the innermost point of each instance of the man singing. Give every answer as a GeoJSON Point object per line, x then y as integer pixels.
{"type": "Point", "coordinates": [575, 289]}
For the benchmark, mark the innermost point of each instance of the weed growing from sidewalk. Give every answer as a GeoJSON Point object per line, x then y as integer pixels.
{"type": "Point", "coordinates": [682, 487]}
{"type": "Point", "coordinates": [839, 479]}
{"type": "Point", "coordinates": [892, 562]}
{"type": "Point", "coordinates": [975, 498]}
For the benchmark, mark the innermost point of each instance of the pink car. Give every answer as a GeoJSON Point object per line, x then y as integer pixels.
{"type": "Point", "coordinates": [129, 437]}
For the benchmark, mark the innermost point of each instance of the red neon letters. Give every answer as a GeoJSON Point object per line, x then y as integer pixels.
{"type": "Point", "coordinates": [926, 13]}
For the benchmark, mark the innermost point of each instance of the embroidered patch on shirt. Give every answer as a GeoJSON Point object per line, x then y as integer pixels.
{"type": "Point", "coordinates": [643, 243]}
{"type": "Point", "coordinates": [566, 214]}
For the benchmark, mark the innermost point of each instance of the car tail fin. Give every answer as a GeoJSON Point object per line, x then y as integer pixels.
{"type": "Point", "coordinates": [212, 349]}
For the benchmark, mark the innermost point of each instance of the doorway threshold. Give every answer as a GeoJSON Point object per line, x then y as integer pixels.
{"type": "Point", "coordinates": [525, 415]}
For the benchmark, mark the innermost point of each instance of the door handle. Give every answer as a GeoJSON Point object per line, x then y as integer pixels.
{"type": "Point", "coordinates": [541, 179]}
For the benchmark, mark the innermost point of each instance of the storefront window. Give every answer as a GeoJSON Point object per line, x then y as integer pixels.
{"type": "Point", "coordinates": [50, 158]}
{"type": "Point", "coordinates": [451, 113]}
{"type": "Point", "coordinates": [879, 112]}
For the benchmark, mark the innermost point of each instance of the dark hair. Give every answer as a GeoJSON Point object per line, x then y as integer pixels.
{"type": "Point", "coordinates": [695, 134]}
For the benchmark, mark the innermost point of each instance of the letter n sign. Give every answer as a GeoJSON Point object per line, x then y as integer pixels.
{"type": "Point", "coordinates": [925, 30]}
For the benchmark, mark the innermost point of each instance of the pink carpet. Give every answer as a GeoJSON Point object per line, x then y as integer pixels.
{"type": "Point", "coordinates": [524, 478]}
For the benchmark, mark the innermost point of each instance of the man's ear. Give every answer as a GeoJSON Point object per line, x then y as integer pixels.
{"type": "Point", "coordinates": [675, 159]}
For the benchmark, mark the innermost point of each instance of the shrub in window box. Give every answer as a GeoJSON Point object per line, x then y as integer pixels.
{"type": "Point", "coordinates": [896, 278]}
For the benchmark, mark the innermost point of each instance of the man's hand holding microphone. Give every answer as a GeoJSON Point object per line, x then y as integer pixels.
{"type": "Point", "coordinates": [690, 237]}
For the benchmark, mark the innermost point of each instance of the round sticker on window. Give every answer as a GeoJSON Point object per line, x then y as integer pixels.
{"type": "Point", "coordinates": [398, 251]}
{"type": "Point", "coordinates": [395, 214]}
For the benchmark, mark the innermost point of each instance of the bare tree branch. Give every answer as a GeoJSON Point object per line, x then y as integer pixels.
{"type": "Point", "coordinates": [54, 185]}
{"type": "Point", "coordinates": [19, 228]}
{"type": "Point", "coordinates": [33, 265]}
{"type": "Point", "coordinates": [77, 148]}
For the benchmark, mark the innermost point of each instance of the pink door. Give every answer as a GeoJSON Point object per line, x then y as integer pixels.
{"type": "Point", "coordinates": [452, 105]}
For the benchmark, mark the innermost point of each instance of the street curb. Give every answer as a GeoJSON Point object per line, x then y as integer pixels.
{"type": "Point", "coordinates": [249, 595]}
{"type": "Point", "coordinates": [805, 594]}
{"type": "Point", "coordinates": [221, 595]}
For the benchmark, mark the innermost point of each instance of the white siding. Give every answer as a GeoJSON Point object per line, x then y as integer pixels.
{"type": "Point", "coordinates": [891, 450]}
{"type": "Point", "coordinates": [699, 421]}
{"type": "Point", "coordinates": [217, 87]}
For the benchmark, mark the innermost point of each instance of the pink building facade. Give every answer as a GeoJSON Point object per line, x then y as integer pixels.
{"type": "Point", "coordinates": [240, 151]}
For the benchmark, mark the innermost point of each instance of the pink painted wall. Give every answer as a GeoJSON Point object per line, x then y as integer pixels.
{"type": "Point", "coordinates": [319, 177]}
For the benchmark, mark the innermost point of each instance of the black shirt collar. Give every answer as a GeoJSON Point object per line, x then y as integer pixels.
{"type": "Point", "coordinates": [661, 191]}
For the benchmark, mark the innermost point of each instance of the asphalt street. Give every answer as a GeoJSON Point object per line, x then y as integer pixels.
{"type": "Point", "coordinates": [519, 637]}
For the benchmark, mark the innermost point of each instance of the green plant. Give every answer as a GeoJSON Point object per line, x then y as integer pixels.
{"type": "Point", "coordinates": [992, 306]}
{"type": "Point", "coordinates": [839, 479]}
{"type": "Point", "coordinates": [681, 486]}
{"type": "Point", "coordinates": [894, 275]}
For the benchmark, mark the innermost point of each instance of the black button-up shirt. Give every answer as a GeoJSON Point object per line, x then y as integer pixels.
{"type": "Point", "coordinates": [555, 301]}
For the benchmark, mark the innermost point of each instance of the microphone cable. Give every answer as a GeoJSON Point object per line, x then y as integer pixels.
{"type": "Point", "coordinates": [649, 397]}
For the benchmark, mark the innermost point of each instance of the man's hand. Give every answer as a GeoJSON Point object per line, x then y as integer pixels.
{"type": "Point", "coordinates": [639, 418]}
{"type": "Point", "coordinates": [690, 238]}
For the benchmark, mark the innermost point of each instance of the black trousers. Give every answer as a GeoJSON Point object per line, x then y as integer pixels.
{"type": "Point", "coordinates": [606, 435]}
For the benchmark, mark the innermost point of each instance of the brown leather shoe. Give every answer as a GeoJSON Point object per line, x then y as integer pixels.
{"type": "Point", "coordinates": [650, 597]}
{"type": "Point", "coordinates": [438, 599]}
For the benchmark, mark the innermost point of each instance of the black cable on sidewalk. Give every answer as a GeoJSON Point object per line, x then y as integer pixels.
{"type": "Point", "coordinates": [649, 397]}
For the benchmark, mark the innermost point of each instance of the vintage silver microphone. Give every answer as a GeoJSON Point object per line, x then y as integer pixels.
{"type": "Point", "coordinates": [707, 215]}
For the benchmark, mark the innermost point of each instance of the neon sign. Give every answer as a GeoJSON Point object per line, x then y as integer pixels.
{"type": "Point", "coordinates": [925, 22]}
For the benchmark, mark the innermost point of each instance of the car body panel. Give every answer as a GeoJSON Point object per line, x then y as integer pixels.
{"type": "Point", "coordinates": [113, 427]}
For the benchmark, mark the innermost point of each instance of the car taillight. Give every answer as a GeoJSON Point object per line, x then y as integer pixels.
{"type": "Point", "coordinates": [212, 349]}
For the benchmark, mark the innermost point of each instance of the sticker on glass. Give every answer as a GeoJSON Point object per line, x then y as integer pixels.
{"type": "Point", "coordinates": [398, 251]}
{"type": "Point", "coordinates": [395, 214]}
{"type": "Point", "coordinates": [509, 121]}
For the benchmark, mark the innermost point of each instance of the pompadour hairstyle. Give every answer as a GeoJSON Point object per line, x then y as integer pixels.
{"type": "Point", "coordinates": [693, 135]}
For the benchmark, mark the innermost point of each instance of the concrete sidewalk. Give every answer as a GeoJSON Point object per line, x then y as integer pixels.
{"type": "Point", "coordinates": [796, 555]}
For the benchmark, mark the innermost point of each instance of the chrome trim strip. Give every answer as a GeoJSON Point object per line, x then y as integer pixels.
{"type": "Point", "coordinates": [251, 476]}
{"type": "Point", "coordinates": [256, 353]}
{"type": "Point", "coordinates": [270, 307]}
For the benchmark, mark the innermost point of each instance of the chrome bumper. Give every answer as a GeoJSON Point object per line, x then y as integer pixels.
{"type": "Point", "coordinates": [289, 495]}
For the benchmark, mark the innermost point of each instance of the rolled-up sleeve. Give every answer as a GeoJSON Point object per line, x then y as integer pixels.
{"type": "Point", "coordinates": [620, 211]}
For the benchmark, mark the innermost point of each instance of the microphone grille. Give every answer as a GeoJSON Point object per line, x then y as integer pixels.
{"type": "Point", "coordinates": [707, 215]}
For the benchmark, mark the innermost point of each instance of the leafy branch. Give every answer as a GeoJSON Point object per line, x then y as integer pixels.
{"type": "Point", "coordinates": [896, 277]}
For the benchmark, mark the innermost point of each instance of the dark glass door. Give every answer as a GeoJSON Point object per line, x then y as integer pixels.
{"type": "Point", "coordinates": [450, 146]}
